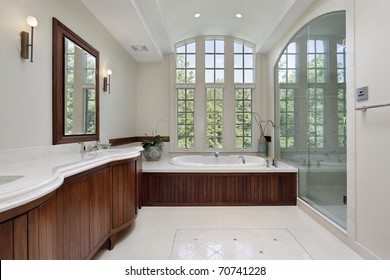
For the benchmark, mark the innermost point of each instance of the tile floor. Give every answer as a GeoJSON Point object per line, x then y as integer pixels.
{"type": "Point", "coordinates": [274, 233]}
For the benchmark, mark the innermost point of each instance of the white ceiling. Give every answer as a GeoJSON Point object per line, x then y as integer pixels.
{"type": "Point", "coordinates": [159, 24]}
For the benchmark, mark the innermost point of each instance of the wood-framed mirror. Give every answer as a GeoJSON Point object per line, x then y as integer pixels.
{"type": "Point", "coordinates": [75, 87]}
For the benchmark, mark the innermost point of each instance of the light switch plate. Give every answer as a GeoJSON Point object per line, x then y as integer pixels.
{"type": "Point", "coordinates": [362, 93]}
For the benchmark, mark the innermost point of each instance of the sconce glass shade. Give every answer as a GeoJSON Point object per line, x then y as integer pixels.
{"type": "Point", "coordinates": [109, 72]}
{"type": "Point", "coordinates": [32, 21]}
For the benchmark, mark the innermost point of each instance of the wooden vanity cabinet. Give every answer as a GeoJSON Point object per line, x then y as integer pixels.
{"type": "Point", "coordinates": [76, 219]}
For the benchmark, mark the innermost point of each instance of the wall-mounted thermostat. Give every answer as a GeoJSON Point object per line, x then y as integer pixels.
{"type": "Point", "coordinates": [362, 93]}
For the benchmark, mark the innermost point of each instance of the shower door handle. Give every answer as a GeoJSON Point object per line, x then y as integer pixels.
{"type": "Point", "coordinates": [308, 140]}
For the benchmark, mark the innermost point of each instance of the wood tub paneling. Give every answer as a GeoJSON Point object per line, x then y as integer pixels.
{"type": "Point", "coordinates": [219, 189]}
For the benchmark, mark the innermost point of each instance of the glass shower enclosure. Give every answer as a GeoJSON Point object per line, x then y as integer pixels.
{"type": "Point", "coordinates": [310, 112]}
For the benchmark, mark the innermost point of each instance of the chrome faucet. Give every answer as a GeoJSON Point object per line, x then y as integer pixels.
{"type": "Point", "coordinates": [242, 158]}
{"type": "Point", "coordinates": [216, 154]}
{"type": "Point", "coordinates": [93, 147]}
{"type": "Point", "coordinates": [319, 162]}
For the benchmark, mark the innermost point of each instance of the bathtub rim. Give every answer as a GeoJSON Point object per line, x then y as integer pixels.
{"type": "Point", "coordinates": [164, 166]}
{"type": "Point", "coordinates": [222, 165]}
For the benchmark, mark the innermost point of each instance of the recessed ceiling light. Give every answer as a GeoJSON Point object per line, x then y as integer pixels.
{"type": "Point", "coordinates": [197, 15]}
{"type": "Point", "coordinates": [238, 15]}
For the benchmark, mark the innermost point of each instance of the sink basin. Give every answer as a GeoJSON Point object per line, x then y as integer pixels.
{"type": "Point", "coordinates": [8, 179]}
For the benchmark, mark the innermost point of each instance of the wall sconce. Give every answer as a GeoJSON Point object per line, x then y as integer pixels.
{"type": "Point", "coordinates": [31, 21]}
{"type": "Point", "coordinates": [107, 81]}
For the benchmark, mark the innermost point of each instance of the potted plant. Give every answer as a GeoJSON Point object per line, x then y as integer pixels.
{"type": "Point", "coordinates": [263, 143]}
{"type": "Point", "coordinates": [153, 148]}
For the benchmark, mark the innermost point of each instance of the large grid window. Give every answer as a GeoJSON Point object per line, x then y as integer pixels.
{"type": "Point", "coordinates": [315, 119]}
{"type": "Point", "coordinates": [218, 101]}
{"type": "Point", "coordinates": [342, 125]}
{"type": "Point", "coordinates": [287, 65]}
{"type": "Point", "coordinates": [185, 118]}
{"type": "Point", "coordinates": [214, 118]}
{"type": "Point", "coordinates": [341, 56]}
{"type": "Point", "coordinates": [214, 61]}
{"type": "Point", "coordinates": [243, 63]}
{"type": "Point", "coordinates": [186, 63]}
{"type": "Point", "coordinates": [341, 95]}
{"type": "Point", "coordinates": [287, 77]}
{"type": "Point", "coordinates": [287, 118]}
{"type": "Point", "coordinates": [317, 76]}
{"type": "Point", "coordinates": [243, 79]}
{"type": "Point", "coordinates": [317, 62]}
{"type": "Point", "coordinates": [243, 118]}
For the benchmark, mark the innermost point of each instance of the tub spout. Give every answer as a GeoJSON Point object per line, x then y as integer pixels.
{"type": "Point", "coordinates": [242, 158]}
{"type": "Point", "coordinates": [216, 154]}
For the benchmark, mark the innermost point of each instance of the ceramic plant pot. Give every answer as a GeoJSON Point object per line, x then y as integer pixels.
{"type": "Point", "coordinates": [153, 153]}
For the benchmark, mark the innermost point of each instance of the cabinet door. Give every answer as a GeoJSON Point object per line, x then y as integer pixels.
{"type": "Point", "coordinates": [13, 239]}
{"type": "Point", "coordinates": [42, 231]}
{"type": "Point", "coordinates": [100, 209]}
{"type": "Point", "coordinates": [124, 197]}
{"type": "Point", "coordinates": [74, 210]}
{"type": "Point", "coordinates": [124, 179]}
{"type": "Point", "coordinates": [85, 214]}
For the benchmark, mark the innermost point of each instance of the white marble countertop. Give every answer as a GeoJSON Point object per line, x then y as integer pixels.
{"type": "Point", "coordinates": [163, 165]}
{"type": "Point", "coordinates": [41, 176]}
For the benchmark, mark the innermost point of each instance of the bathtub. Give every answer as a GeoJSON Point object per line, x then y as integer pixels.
{"type": "Point", "coordinates": [220, 161]}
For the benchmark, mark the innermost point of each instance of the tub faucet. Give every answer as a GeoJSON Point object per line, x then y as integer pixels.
{"type": "Point", "coordinates": [242, 158]}
{"type": "Point", "coordinates": [216, 154]}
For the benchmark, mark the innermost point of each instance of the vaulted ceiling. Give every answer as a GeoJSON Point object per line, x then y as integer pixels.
{"type": "Point", "coordinates": [159, 24]}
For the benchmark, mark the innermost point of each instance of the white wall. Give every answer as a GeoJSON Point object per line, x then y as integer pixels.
{"type": "Point", "coordinates": [372, 60]}
{"type": "Point", "coordinates": [153, 103]}
{"type": "Point", "coordinates": [26, 88]}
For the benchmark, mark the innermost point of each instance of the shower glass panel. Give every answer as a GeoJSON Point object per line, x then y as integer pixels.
{"type": "Point", "coordinates": [310, 109]}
